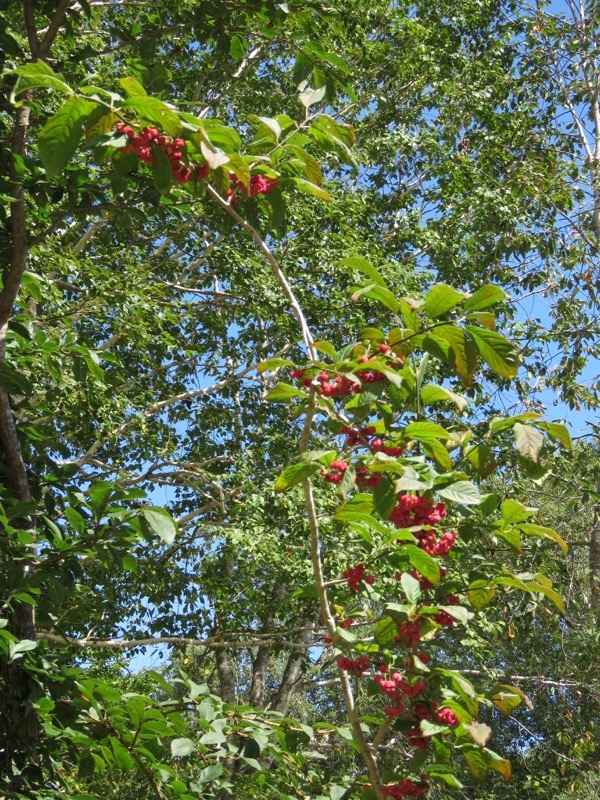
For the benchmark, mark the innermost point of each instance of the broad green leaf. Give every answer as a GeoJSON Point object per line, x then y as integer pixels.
{"type": "Point", "coordinates": [462, 354]}
{"type": "Point", "coordinates": [423, 431]}
{"type": "Point", "coordinates": [479, 732]}
{"type": "Point", "coordinates": [529, 441]}
{"type": "Point", "coordinates": [463, 492]}
{"type": "Point", "coordinates": [161, 523]}
{"type": "Point", "coordinates": [182, 747]}
{"type": "Point", "coordinates": [496, 351]}
{"type": "Point", "coordinates": [364, 266]}
{"type": "Point", "coordinates": [283, 392]}
{"type": "Point", "coordinates": [132, 87]}
{"type": "Point", "coordinates": [294, 474]}
{"type": "Point", "coordinates": [499, 764]}
{"type": "Point", "coordinates": [505, 698]}
{"type": "Point", "coordinates": [326, 348]}
{"type": "Point", "coordinates": [162, 171]}
{"type": "Point", "coordinates": [411, 587]}
{"type": "Point", "coordinates": [211, 773]}
{"type": "Point", "coordinates": [441, 299]}
{"type": "Point", "coordinates": [310, 97]}
{"type": "Point", "coordinates": [312, 170]}
{"type": "Point", "coordinates": [24, 646]}
{"type": "Point", "coordinates": [480, 594]}
{"type": "Point", "coordinates": [513, 511]}
{"type": "Point", "coordinates": [482, 458]}
{"type": "Point", "coordinates": [499, 424]}
{"type": "Point", "coordinates": [59, 138]}
{"type": "Point", "coordinates": [439, 394]}
{"type": "Point", "coordinates": [37, 75]}
{"type": "Point", "coordinates": [558, 433]}
{"type": "Point", "coordinates": [436, 450]}
{"type": "Point", "coordinates": [530, 529]}
{"type": "Point", "coordinates": [151, 109]}
{"type": "Point", "coordinates": [477, 763]}
{"type": "Point", "coordinates": [123, 760]}
{"type": "Point", "coordinates": [272, 364]}
{"type": "Point", "coordinates": [423, 563]}
{"type": "Point", "coordinates": [484, 297]}
{"type": "Point", "coordinates": [512, 537]}
{"type": "Point", "coordinates": [551, 594]}
{"type": "Point", "coordinates": [311, 188]}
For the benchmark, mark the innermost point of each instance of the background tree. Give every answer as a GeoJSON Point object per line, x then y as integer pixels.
{"type": "Point", "coordinates": [135, 313]}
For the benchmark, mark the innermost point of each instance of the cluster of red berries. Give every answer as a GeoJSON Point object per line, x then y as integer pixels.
{"type": "Point", "coordinates": [396, 688]}
{"type": "Point", "coordinates": [362, 438]}
{"type": "Point", "coordinates": [355, 575]}
{"type": "Point", "coordinates": [403, 789]}
{"type": "Point", "coordinates": [258, 184]}
{"type": "Point", "coordinates": [447, 716]}
{"type": "Point", "coordinates": [142, 144]}
{"type": "Point", "coordinates": [365, 479]}
{"type": "Point", "coordinates": [335, 473]}
{"type": "Point", "coordinates": [409, 634]}
{"type": "Point", "coordinates": [428, 541]}
{"type": "Point", "coordinates": [412, 510]}
{"type": "Point", "coordinates": [356, 666]}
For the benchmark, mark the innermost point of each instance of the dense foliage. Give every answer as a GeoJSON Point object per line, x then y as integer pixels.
{"type": "Point", "coordinates": [286, 289]}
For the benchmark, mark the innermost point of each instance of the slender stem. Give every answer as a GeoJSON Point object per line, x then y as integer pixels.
{"type": "Point", "coordinates": [307, 336]}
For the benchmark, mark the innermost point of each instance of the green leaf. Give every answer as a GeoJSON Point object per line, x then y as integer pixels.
{"type": "Point", "coordinates": [295, 474]}
{"type": "Point", "coordinates": [24, 646]}
{"type": "Point", "coordinates": [484, 297]}
{"type": "Point", "coordinates": [182, 747]}
{"type": "Point", "coordinates": [547, 591]}
{"type": "Point", "coordinates": [423, 563]}
{"type": "Point", "coordinates": [151, 109]}
{"type": "Point", "coordinates": [482, 458]}
{"type": "Point", "coordinates": [327, 349]}
{"type": "Point", "coordinates": [479, 732]}
{"type": "Point", "coordinates": [424, 431]}
{"type": "Point", "coordinates": [547, 533]}
{"type": "Point", "coordinates": [529, 441]}
{"type": "Point", "coordinates": [459, 613]}
{"type": "Point", "coordinates": [411, 587]}
{"type": "Point", "coordinates": [37, 75]}
{"type": "Point", "coordinates": [463, 492]}
{"type": "Point", "coordinates": [311, 188]}
{"type": "Point", "coordinates": [441, 299]}
{"type": "Point", "coordinates": [496, 351]}
{"type": "Point", "coordinates": [558, 433]}
{"type": "Point", "coordinates": [161, 523]}
{"type": "Point", "coordinates": [379, 293]}
{"type": "Point", "coordinates": [59, 138]}
{"type": "Point", "coordinates": [364, 266]}
{"type": "Point", "coordinates": [436, 450]}
{"type": "Point", "coordinates": [310, 97]}
{"type": "Point", "coordinates": [123, 759]}
{"type": "Point", "coordinates": [480, 594]}
{"type": "Point", "coordinates": [513, 511]}
{"type": "Point", "coordinates": [462, 354]}
{"type": "Point", "coordinates": [162, 171]}
{"type": "Point", "coordinates": [132, 88]}
{"type": "Point", "coordinates": [505, 698]}
{"type": "Point", "coordinates": [431, 394]}
{"type": "Point", "coordinates": [272, 364]}
{"type": "Point", "coordinates": [384, 497]}
{"type": "Point", "coordinates": [283, 392]}
{"type": "Point", "coordinates": [498, 764]}
{"type": "Point", "coordinates": [211, 773]}
{"type": "Point", "coordinates": [477, 763]}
